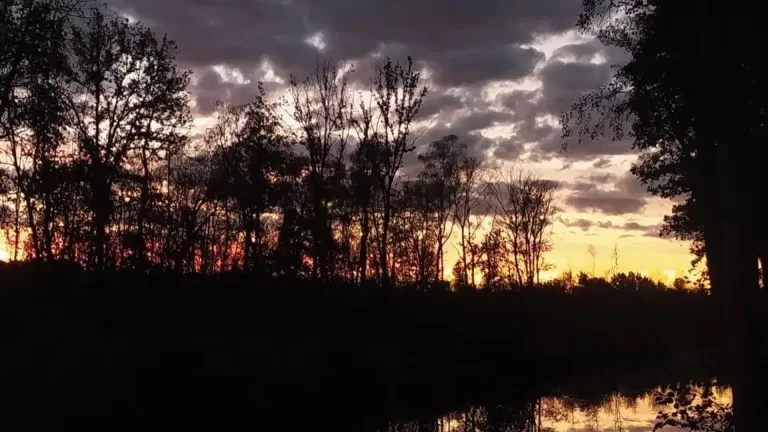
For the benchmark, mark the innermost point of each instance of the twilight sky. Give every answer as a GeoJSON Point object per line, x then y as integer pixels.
{"type": "Point", "coordinates": [500, 73]}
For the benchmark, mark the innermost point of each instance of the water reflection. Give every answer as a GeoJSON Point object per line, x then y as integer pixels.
{"type": "Point", "coordinates": [684, 405]}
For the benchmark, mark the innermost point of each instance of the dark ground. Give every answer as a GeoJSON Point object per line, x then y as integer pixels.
{"type": "Point", "coordinates": [129, 349]}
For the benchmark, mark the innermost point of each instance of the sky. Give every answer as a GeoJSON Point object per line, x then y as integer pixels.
{"type": "Point", "coordinates": [500, 73]}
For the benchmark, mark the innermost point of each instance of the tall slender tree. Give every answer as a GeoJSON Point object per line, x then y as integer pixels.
{"type": "Point", "coordinates": [398, 93]}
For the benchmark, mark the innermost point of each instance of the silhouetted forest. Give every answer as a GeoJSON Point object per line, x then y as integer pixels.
{"type": "Point", "coordinates": [102, 168]}
{"type": "Point", "coordinates": [282, 255]}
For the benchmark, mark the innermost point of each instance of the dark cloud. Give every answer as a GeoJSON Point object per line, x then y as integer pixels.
{"type": "Point", "coordinates": [563, 83]}
{"type": "Point", "coordinates": [586, 225]}
{"type": "Point", "coordinates": [583, 186]}
{"type": "Point", "coordinates": [631, 185]}
{"type": "Point", "coordinates": [627, 196]}
{"type": "Point", "coordinates": [467, 128]}
{"type": "Point", "coordinates": [463, 44]}
{"type": "Point", "coordinates": [210, 88]}
{"type": "Point", "coordinates": [436, 103]}
{"type": "Point", "coordinates": [647, 230]}
{"type": "Point", "coordinates": [607, 202]}
{"type": "Point", "coordinates": [600, 178]}
{"type": "Point", "coordinates": [354, 27]}
{"type": "Point", "coordinates": [479, 64]}
{"type": "Point", "coordinates": [568, 74]}
{"type": "Point", "coordinates": [477, 145]}
{"type": "Point", "coordinates": [601, 163]}
{"type": "Point", "coordinates": [582, 224]}
{"type": "Point", "coordinates": [480, 119]}
{"type": "Point", "coordinates": [579, 52]}
{"type": "Point", "coordinates": [634, 226]}
{"type": "Point", "coordinates": [240, 32]}
{"type": "Point", "coordinates": [655, 232]}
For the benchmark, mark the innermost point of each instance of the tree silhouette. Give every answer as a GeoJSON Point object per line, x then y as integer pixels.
{"type": "Point", "coordinates": [525, 210]}
{"type": "Point", "coordinates": [442, 162]}
{"type": "Point", "coordinates": [696, 107]}
{"type": "Point", "coordinates": [398, 93]}
{"type": "Point", "coordinates": [471, 196]}
{"type": "Point", "coordinates": [127, 97]}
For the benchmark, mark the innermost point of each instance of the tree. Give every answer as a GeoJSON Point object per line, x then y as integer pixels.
{"type": "Point", "coordinates": [592, 252]}
{"type": "Point", "coordinates": [29, 29]}
{"type": "Point", "coordinates": [398, 94]}
{"type": "Point", "coordinates": [493, 259]}
{"type": "Point", "coordinates": [251, 157]}
{"type": "Point", "coordinates": [320, 106]}
{"type": "Point", "coordinates": [418, 219]}
{"type": "Point", "coordinates": [127, 95]}
{"type": "Point", "coordinates": [525, 208]}
{"type": "Point", "coordinates": [697, 107]}
{"type": "Point", "coordinates": [442, 162]}
{"type": "Point", "coordinates": [364, 161]}
{"type": "Point", "coordinates": [471, 195]}
{"type": "Point", "coordinates": [190, 208]}
{"type": "Point", "coordinates": [33, 37]}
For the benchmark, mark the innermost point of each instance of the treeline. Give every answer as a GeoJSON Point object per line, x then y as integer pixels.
{"type": "Point", "coordinates": [101, 167]}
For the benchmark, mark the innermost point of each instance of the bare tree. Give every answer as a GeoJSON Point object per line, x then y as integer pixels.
{"type": "Point", "coordinates": [471, 194]}
{"type": "Point", "coordinates": [591, 251]}
{"type": "Point", "coordinates": [615, 260]}
{"type": "Point", "coordinates": [320, 105]}
{"type": "Point", "coordinates": [525, 207]}
{"type": "Point", "coordinates": [363, 180]}
{"type": "Point", "coordinates": [442, 161]}
{"type": "Point", "coordinates": [398, 93]}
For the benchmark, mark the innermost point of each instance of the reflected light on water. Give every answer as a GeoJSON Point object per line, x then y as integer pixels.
{"type": "Point", "coordinates": [613, 413]}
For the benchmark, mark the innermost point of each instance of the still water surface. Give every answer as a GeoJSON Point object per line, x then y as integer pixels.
{"type": "Point", "coordinates": [612, 412]}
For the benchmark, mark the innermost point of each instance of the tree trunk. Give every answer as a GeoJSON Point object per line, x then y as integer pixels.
{"type": "Point", "coordinates": [47, 232]}
{"type": "Point", "coordinates": [363, 260]}
{"type": "Point", "coordinates": [734, 171]}
{"type": "Point", "coordinates": [140, 246]}
{"type": "Point", "coordinates": [248, 246]}
{"type": "Point", "coordinates": [383, 243]}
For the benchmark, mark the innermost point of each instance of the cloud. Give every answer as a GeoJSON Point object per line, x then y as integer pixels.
{"type": "Point", "coordinates": [600, 178]}
{"type": "Point", "coordinates": [602, 163]}
{"type": "Point", "coordinates": [631, 185]}
{"type": "Point", "coordinates": [241, 32]}
{"type": "Point", "coordinates": [480, 64]}
{"type": "Point", "coordinates": [627, 197]}
{"type": "Point", "coordinates": [468, 128]}
{"type": "Point", "coordinates": [584, 224]}
{"type": "Point", "coordinates": [462, 45]}
{"type": "Point", "coordinates": [437, 103]}
{"type": "Point", "coordinates": [579, 52]}
{"type": "Point", "coordinates": [210, 87]}
{"type": "Point", "coordinates": [607, 202]}
{"type": "Point", "coordinates": [569, 73]}
{"type": "Point", "coordinates": [563, 83]}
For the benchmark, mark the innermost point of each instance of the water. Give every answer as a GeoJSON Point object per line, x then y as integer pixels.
{"type": "Point", "coordinates": [614, 412]}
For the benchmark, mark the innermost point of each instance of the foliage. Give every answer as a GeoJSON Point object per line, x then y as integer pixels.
{"type": "Point", "coordinates": [694, 409]}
